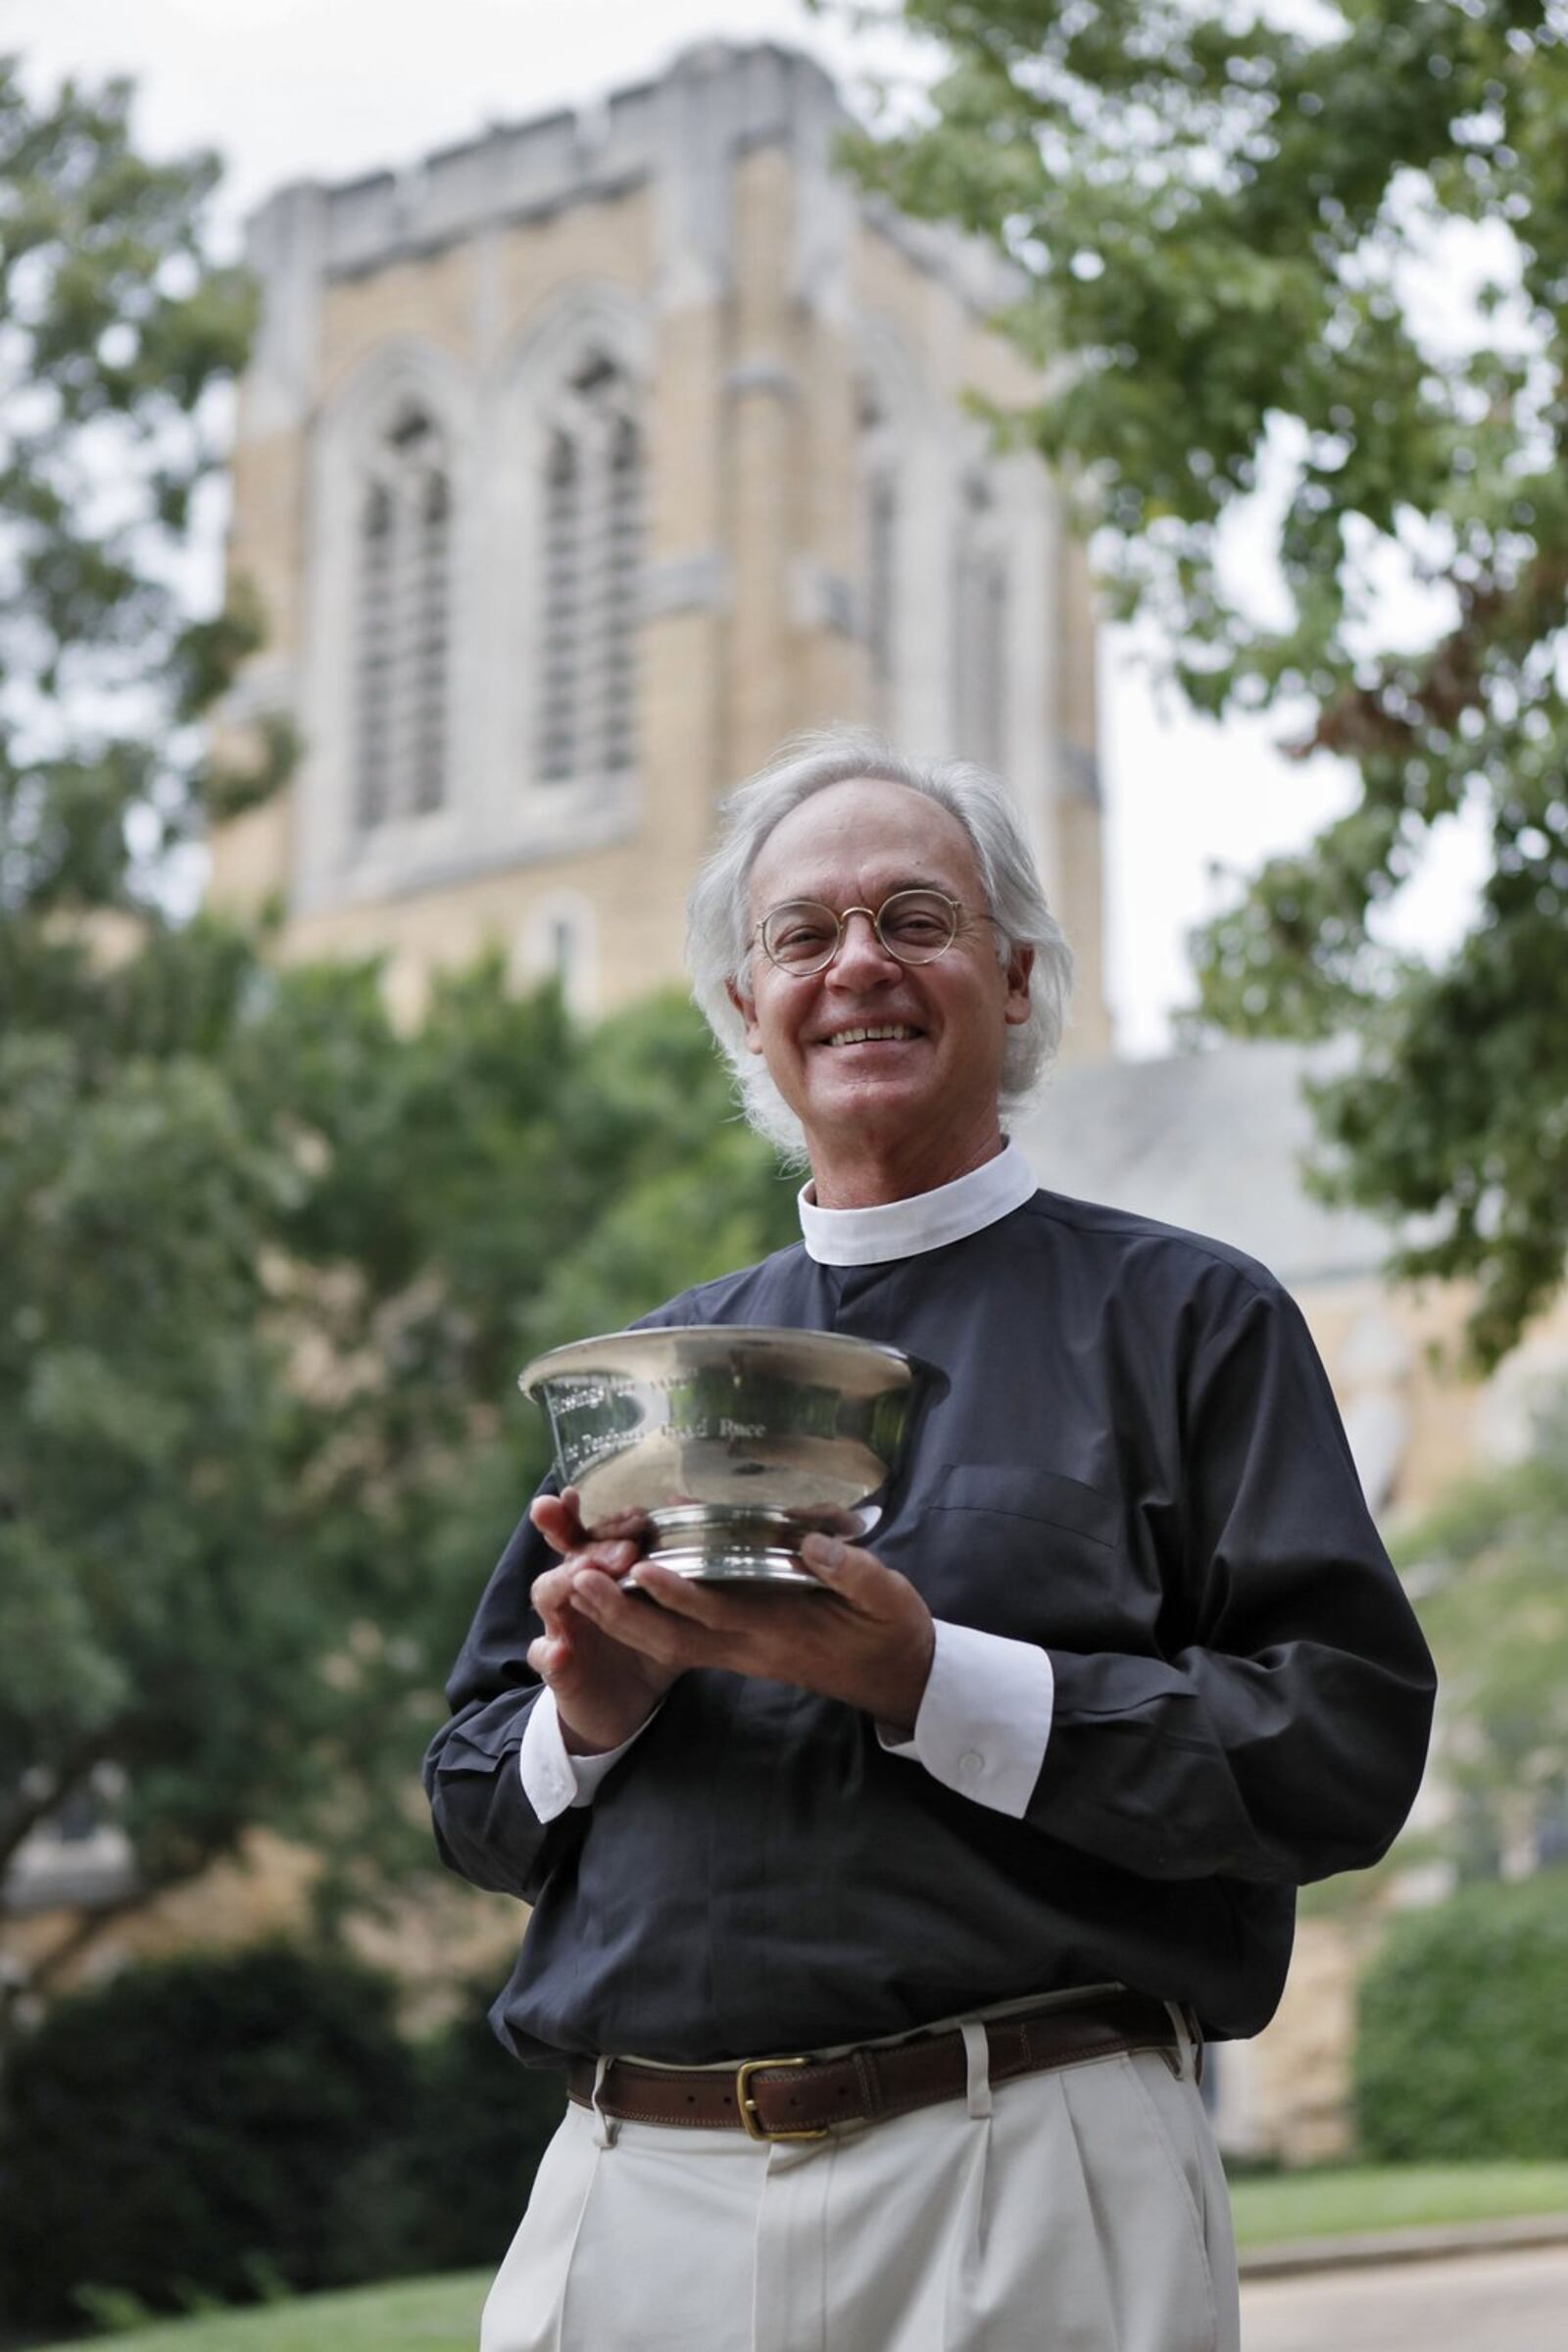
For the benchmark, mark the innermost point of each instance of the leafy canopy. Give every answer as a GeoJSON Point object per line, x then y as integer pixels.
{"type": "Point", "coordinates": [1487, 1567]}
{"type": "Point", "coordinates": [270, 1266]}
{"type": "Point", "coordinates": [115, 335]}
{"type": "Point", "coordinates": [1323, 254]}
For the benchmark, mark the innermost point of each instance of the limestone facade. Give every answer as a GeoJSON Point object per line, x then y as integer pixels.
{"type": "Point", "coordinates": [822, 530]}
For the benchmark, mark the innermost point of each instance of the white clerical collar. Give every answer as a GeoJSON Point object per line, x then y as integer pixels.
{"type": "Point", "coordinates": [865, 1237]}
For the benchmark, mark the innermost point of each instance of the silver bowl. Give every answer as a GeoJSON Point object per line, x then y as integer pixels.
{"type": "Point", "coordinates": [725, 1446]}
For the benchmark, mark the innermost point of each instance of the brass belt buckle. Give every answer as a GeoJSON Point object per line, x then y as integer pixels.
{"type": "Point", "coordinates": [747, 2105]}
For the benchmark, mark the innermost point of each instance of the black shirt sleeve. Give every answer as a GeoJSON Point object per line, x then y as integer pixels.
{"type": "Point", "coordinates": [1284, 1737]}
{"type": "Point", "coordinates": [485, 1828]}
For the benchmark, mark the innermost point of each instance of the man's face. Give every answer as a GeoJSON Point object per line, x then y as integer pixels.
{"type": "Point", "coordinates": [852, 844]}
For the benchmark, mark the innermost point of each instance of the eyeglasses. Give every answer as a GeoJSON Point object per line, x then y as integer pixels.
{"type": "Point", "coordinates": [914, 927]}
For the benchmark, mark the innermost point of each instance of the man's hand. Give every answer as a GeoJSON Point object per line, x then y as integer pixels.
{"type": "Point", "coordinates": [603, 1691]}
{"type": "Point", "coordinates": [867, 1638]}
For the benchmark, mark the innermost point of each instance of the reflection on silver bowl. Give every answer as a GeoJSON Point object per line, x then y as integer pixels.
{"type": "Point", "coordinates": [727, 1444]}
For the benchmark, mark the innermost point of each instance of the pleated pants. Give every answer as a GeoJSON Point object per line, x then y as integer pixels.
{"type": "Point", "coordinates": [1082, 2210]}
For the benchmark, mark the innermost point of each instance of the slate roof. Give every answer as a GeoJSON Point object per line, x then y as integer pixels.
{"type": "Point", "coordinates": [1213, 1142]}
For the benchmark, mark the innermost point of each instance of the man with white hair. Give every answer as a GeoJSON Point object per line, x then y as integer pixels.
{"type": "Point", "coordinates": [880, 1926]}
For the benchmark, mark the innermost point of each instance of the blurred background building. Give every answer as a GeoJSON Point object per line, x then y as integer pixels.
{"type": "Point", "coordinates": [580, 465]}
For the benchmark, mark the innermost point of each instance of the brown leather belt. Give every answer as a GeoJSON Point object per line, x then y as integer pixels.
{"type": "Point", "coordinates": [803, 2098]}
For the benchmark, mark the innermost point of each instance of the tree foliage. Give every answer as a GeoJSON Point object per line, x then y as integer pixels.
{"type": "Point", "coordinates": [1323, 255]}
{"type": "Point", "coordinates": [1459, 2057]}
{"type": "Point", "coordinates": [132, 1189]}
{"type": "Point", "coordinates": [1487, 1566]}
{"type": "Point", "coordinates": [116, 333]}
{"type": "Point", "coordinates": [197, 2131]}
{"type": "Point", "coordinates": [207, 2129]}
{"type": "Point", "coordinates": [271, 1265]}
{"type": "Point", "coordinates": [272, 1269]}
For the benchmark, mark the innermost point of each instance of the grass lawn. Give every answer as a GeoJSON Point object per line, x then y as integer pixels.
{"type": "Point", "coordinates": [429, 2315]}
{"type": "Point", "coordinates": [1394, 2196]}
{"type": "Point", "coordinates": [442, 2314]}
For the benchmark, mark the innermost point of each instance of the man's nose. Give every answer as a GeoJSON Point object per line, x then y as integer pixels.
{"type": "Point", "coordinates": [860, 953]}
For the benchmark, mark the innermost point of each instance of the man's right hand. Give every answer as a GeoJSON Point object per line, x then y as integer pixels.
{"type": "Point", "coordinates": [604, 1692]}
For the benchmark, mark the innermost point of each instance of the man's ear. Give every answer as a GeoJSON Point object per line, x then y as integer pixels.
{"type": "Point", "coordinates": [1020, 963]}
{"type": "Point", "coordinates": [746, 1006]}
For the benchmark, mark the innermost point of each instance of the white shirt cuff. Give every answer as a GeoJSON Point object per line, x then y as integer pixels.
{"type": "Point", "coordinates": [985, 1718]}
{"type": "Point", "coordinates": [553, 1779]}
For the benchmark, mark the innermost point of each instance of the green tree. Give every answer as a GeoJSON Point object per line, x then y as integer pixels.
{"type": "Point", "coordinates": [498, 1182]}
{"type": "Point", "coordinates": [1487, 1566]}
{"type": "Point", "coordinates": [117, 336]}
{"type": "Point", "coordinates": [1226, 224]}
{"type": "Point", "coordinates": [270, 1266]}
{"type": "Point", "coordinates": [131, 1195]}
{"type": "Point", "coordinates": [1459, 2057]}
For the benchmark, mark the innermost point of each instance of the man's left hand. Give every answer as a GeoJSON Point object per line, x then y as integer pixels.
{"type": "Point", "coordinates": [865, 1638]}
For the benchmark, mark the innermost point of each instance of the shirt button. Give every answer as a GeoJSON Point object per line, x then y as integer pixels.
{"type": "Point", "coordinates": [970, 1762]}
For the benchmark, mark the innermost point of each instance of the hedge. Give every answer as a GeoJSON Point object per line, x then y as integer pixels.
{"type": "Point", "coordinates": [484, 2125]}
{"type": "Point", "coordinates": [1460, 2049]}
{"type": "Point", "coordinates": [213, 2127]}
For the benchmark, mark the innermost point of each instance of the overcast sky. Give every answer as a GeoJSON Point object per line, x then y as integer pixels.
{"type": "Point", "coordinates": [330, 88]}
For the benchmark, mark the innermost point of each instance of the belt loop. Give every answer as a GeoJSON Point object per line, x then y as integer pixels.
{"type": "Point", "coordinates": [977, 2066]}
{"type": "Point", "coordinates": [606, 2127]}
{"type": "Point", "coordinates": [1189, 2066]}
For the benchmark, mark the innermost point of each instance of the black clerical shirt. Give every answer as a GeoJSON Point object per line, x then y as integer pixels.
{"type": "Point", "coordinates": [1138, 1464]}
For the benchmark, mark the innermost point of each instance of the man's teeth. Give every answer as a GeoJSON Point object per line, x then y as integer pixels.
{"type": "Point", "coordinates": [860, 1037]}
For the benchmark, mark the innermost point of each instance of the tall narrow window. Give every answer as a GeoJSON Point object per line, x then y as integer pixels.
{"type": "Point", "coordinates": [622, 552]}
{"type": "Point", "coordinates": [374, 655]}
{"type": "Point", "coordinates": [430, 652]}
{"type": "Point", "coordinates": [879, 524]}
{"type": "Point", "coordinates": [557, 943]}
{"type": "Point", "coordinates": [591, 557]}
{"type": "Point", "coordinates": [980, 631]}
{"type": "Point", "coordinates": [558, 696]}
{"type": "Point", "coordinates": [403, 638]}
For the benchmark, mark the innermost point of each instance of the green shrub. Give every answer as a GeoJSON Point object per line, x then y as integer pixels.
{"type": "Point", "coordinates": [189, 2129]}
{"type": "Point", "coordinates": [1461, 2047]}
{"type": "Point", "coordinates": [482, 2125]}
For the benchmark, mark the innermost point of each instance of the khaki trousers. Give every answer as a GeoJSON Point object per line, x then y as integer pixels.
{"type": "Point", "coordinates": [1078, 2211]}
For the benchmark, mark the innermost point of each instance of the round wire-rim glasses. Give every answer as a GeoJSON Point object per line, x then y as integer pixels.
{"type": "Point", "coordinates": [915, 926]}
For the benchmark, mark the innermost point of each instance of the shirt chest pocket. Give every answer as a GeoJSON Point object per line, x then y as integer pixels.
{"type": "Point", "coordinates": [1027, 1552]}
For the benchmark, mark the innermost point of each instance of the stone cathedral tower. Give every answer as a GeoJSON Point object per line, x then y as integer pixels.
{"type": "Point", "coordinates": [581, 463]}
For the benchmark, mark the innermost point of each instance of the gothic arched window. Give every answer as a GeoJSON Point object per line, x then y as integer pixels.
{"type": "Point", "coordinates": [980, 628]}
{"type": "Point", "coordinates": [403, 638]}
{"type": "Point", "coordinates": [591, 558]}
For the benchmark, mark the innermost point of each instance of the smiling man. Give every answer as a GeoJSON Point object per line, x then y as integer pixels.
{"type": "Point", "coordinates": [879, 1005]}
{"type": "Point", "coordinates": [880, 1925]}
